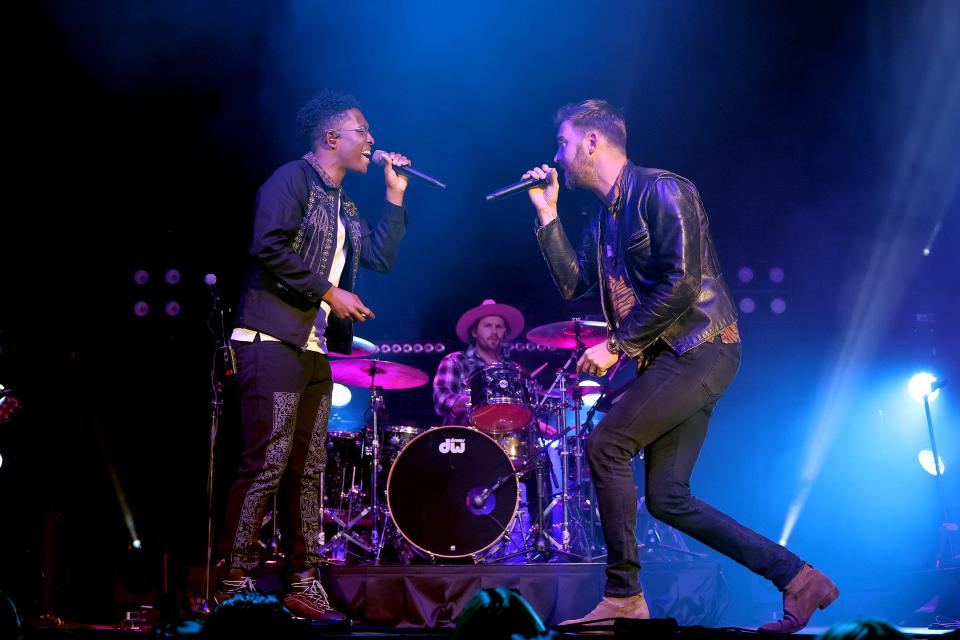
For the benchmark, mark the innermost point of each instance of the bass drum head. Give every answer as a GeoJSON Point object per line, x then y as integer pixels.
{"type": "Point", "coordinates": [431, 488]}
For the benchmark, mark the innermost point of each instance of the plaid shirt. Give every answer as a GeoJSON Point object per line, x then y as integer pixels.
{"type": "Point", "coordinates": [453, 382]}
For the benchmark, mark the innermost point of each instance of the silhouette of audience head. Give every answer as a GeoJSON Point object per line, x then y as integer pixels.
{"type": "Point", "coordinates": [498, 614]}
{"type": "Point", "coordinates": [862, 630]}
{"type": "Point", "coordinates": [249, 615]}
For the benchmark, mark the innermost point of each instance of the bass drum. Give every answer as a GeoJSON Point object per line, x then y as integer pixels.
{"type": "Point", "coordinates": [435, 487]}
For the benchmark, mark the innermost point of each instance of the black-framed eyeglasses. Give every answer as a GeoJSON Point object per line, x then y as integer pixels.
{"type": "Point", "coordinates": [363, 131]}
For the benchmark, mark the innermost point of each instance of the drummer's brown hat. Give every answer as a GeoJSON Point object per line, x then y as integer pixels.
{"type": "Point", "coordinates": [510, 315]}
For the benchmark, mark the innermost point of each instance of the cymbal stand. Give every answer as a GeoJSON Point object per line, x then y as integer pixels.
{"type": "Point", "coordinates": [378, 537]}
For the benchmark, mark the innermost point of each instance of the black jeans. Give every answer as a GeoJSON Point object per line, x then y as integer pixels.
{"type": "Point", "coordinates": [284, 407]}
{"type": "Point", "coordinates": [665, 412]}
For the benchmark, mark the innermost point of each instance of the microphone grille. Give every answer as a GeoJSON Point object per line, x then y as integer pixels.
{"type": "Point", "coordinates": [377, 157]}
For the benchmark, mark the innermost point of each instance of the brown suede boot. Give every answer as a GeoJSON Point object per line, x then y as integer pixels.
{"type": "Point", "coordinates": [808, 591]}
{"type": "Point", "coordinates": [634, 607]}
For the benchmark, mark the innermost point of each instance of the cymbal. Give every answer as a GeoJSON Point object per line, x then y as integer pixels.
{"type": "Point", "coordinates": [379, 373]}
{"type": "Point", "coordinates": [563, 335]}
{"type": "Point", "coordinates": [361, 348]}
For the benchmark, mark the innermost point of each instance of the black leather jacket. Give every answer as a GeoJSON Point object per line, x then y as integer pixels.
{"type": "Point", "coordinates": [663, 238]}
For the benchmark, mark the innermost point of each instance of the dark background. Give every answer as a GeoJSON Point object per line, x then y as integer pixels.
{"type": "Point", "coordinates": [824, 138]}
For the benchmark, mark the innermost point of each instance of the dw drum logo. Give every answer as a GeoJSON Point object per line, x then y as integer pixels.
{"type": "Point", "coordinates": [453, 445]}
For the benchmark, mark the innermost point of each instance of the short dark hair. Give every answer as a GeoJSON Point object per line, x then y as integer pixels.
{"type": "Point", "coordinates": [497, 614]}
{"type": "Point", "coordinates": [323, 112]}
{"type": "Point", "coordinates": [599, 115]}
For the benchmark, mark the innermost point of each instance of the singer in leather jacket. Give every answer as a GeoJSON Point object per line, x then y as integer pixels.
{"type": "Point", "coordinates": [681, 296]}
{"type": "Point", "coordinates": [649, 252]}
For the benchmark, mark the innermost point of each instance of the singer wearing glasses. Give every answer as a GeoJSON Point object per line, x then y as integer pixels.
{"type": "Point", "coordinates": [649, 252]}
{"type": "Point", "coordinates": [297, 302]}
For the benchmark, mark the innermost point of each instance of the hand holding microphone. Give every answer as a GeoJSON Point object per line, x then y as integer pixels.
{"type": "Point", "coordinates": [397, 169]}
{"type": "Point", "coordinates": [544, 195]}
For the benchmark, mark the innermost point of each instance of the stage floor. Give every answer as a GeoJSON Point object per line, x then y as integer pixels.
{"type": "Point", "coordinates": [424, 601]}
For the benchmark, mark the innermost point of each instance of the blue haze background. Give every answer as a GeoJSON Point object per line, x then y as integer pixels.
{"type": "Point", "coordinates": [824, 138]}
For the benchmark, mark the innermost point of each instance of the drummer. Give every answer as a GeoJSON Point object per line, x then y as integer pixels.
{"type": "Point", "coordinates": [486, 329]}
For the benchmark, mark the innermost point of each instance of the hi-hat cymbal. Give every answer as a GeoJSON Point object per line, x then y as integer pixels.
{"type": "Point", "coordinates": [377, 373]}
{"type": "Point", "coordinates": [361, 349]}
{"type": "Point", "coordinates": [563, 335]}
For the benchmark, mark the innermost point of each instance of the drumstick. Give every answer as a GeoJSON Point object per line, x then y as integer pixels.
{"type": "Point", "coordinates": [538, 370]}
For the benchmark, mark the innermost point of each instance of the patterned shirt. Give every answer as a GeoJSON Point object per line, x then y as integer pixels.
{"type": "Point", "coordinates": [453, 382]}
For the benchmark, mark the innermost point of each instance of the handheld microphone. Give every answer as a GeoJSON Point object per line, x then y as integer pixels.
{"type": "Point", "coordinates": [480, 499]}
{"type": "Point", "coordinates": [408, 170]}
{"type": "Point", "coordinates": [515, 188]}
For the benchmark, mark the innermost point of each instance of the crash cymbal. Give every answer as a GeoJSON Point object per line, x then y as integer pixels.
{"type": "Point", "coordinates": [563, 335]}
{"type": "Point", "coordinates": [361, 349]}
{"type": "Point", "coordinates": [379, 373]}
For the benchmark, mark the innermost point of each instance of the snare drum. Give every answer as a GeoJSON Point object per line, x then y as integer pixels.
{"type": "Point", "coordinates": [435, 492]}
{"type": "Point", "coordinates": [500, 399]}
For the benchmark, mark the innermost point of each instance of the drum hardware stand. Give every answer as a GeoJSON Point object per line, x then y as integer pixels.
{"type": "Point", "coordinates": [540, 541]}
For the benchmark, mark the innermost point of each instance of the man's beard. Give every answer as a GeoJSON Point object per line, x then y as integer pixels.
{"type": "Point", "coordinates": [575, 176]}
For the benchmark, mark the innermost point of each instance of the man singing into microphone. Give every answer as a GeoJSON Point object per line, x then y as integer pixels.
{"type": "Point", "coordinates": [298, 301]}
{"type": "Point", "coordinates": [650, 253]}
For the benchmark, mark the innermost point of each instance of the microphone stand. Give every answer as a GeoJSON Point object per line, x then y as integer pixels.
{"type": "Point", "coordinates": [216, 411]}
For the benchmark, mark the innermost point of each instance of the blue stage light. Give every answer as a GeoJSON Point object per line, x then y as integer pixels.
{"type": "Point", "coordinates": [920, 385]}
{"type": "Point", "coordinates": [341, 395]}
{"type": "Point", "coordinates": [926, 461]}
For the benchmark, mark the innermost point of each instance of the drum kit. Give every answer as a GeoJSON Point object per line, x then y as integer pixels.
{"type": "Point", "coordinates": [399, 492]}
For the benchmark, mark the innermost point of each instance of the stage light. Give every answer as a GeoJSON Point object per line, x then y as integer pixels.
{"type": "Point", "coordinates": [745, 274]}
{"type": "Point", "coordinates": [172, 309]}
{"type": "Point", "coordinates": [428, 347]}
{"type": "Point", "coordinates": [140, 276]}
{"type": "Point", "coordinates": [341, 395]}
{"type": "Point", "coordinates": [418, 348]}
{"type": "Point", "coordinates": [172, 276]}
{"type": "Point", "coordinates": [140, 309]}
{"type": "Point", "coordinates": [776, 275]}
{"type": "Point", "coordinates": [926, 251]}
{"type": "Point", "coordinates": [407, 348]}
{"type": "Point", "coordinates": [778, 305]}
{"type": "Point", "coordinates": [747, 305]}
{"type": "Point", "coordinates": [590, 392]}
{"type": "Point", "coordinates": [920, 385]}
{"type": "Point", "coordinates": [1, 461]}
{"type": "Point", "coordinates": [440, 348]}
{"type": "Point", "coordinates": [137, 544]}
{"type": "Point", "coordinates": [926, 461]}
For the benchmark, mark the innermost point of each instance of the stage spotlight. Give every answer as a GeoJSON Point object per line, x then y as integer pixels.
{"type": "Point", "coordinates": [172, 276]}
{"type": "Point", "coordinates": [440, 347]}
{"type": "Point", "coordinates": [920, 385]}
{"type": "Point", "coordinates": [1, 461]}
{"type": "Point", "coordinates": [136, 543]}
{"type": "Point", "coordinates": [341, 395]}
{"type": "Point", "coordinates": [407, 348]}
{"type": "Point", "coordinates": [747, 305]}
{"type": "Point", "coordinates": [172, 308]}
{"type": "Point", "coordinates": [428, 347]}
{"type": "Point", "coordinates": [926, 461]}
{"type": "Point", "coordinates": [590, 392]}
{"type": "Point", "coordinates": [778, 305]}
{"type": "Point", "coordinates": [418, 348]}
{"type": "Point", "coordinates": [140, 276]}
{"type": "Point", "coordinates": [776, 275]}
{"type": "Point", "coordinates": [745, 274]}
{"type": "Point", "coordinates": [140, 309]}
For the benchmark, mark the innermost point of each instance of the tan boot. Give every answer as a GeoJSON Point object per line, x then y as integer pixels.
{"type": "Point", "coordinates": [633, 607]}
{"type": "Point", "coordinates": [808, 591]}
